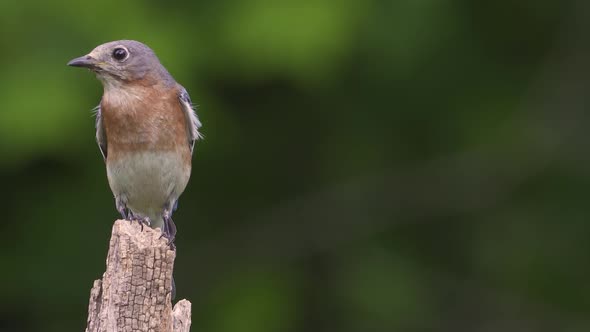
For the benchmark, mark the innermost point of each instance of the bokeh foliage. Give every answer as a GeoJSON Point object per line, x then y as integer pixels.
{"type": "Point", "coordinates": [414, 165]}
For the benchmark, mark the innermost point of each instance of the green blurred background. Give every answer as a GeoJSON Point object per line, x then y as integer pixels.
{"type": "Point", "coordinates": [414, 165]}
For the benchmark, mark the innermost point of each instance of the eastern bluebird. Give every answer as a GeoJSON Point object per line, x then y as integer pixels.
{"type": "Point", "coordinates": [146, 130]}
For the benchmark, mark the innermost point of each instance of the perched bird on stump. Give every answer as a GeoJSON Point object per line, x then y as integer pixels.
{"type": "Point", "coordinates": [146, 128]}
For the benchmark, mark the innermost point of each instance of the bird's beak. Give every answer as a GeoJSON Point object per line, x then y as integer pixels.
{"type": "Point", "coordinates": [85, 61]}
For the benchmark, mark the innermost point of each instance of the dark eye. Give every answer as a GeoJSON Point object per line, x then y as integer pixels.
{"type": "Point", "coordinates": [120, 54]}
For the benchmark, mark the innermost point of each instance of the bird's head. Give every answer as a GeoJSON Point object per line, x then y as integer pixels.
{"type": "Point", "coordinates": [123, 61]}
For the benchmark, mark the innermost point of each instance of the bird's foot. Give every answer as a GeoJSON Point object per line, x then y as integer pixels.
{"type": "Point", "coordinates": [140, 219]}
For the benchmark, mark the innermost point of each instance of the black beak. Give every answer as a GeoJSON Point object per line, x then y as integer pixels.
{"type": "Point", "coordinates": [84, 61]}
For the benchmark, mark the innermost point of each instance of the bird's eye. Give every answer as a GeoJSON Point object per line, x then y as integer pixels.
{"type": "Point", "coordinates": [120, 54]}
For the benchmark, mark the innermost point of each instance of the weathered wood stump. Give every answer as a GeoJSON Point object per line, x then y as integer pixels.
{"type": "Point", "coordinates": [134, 293]}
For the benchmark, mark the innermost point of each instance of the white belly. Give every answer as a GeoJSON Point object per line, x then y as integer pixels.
{"type": "Point", "coordinates": [148, 180]}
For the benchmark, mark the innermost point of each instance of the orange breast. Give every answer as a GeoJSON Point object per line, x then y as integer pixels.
{"type": "Point", "coordinates": [139, 118]}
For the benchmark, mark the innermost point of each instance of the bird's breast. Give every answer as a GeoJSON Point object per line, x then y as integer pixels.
{"type": "Point", "coordinates": [143, 119]}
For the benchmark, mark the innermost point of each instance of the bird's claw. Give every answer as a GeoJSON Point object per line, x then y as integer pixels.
{"type": "Point", "coordinates": [140, 219]}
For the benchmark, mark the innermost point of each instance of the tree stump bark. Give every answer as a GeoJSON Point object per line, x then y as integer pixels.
{"type": "Point", "coordinates": [134, 293]}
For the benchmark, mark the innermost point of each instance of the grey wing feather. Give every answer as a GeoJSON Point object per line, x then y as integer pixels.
{"type": "Point", "coordinates": [101, 138]}
{"type": "Point", "coordinates": [192, 120]}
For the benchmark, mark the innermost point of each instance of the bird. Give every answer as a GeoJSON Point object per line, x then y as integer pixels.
{"type": "Point", "coordinates": [146, 130]}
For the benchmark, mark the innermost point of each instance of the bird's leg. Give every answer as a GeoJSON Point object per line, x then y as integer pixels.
{"type": "Point", "coordinates": [121, 203]}
{"type": "Point", "coordinates": [169, 228]}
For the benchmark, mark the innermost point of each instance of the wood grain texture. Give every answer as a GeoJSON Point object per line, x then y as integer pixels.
{"type": "Point", "coordinates": [135, 291]}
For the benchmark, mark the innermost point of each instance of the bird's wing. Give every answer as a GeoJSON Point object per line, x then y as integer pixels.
{"type": "Point", "coordinates": [101, 137]}
{"type": "Point", "coordinates": [192, 120]}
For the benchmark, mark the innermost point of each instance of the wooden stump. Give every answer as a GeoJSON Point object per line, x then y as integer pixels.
{"type": "Point", "coordinates": [134, 293]}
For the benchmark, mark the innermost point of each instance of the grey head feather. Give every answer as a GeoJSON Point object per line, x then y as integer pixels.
{"type": "Point", "coordinates": [140, 62]}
